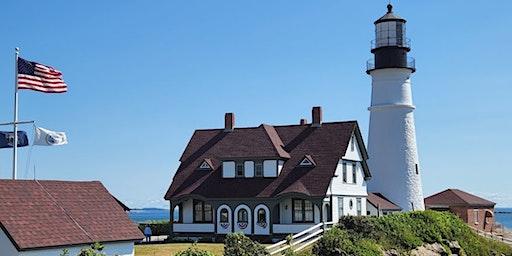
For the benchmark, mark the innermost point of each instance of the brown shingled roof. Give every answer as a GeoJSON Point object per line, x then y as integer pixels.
{"type": "Point", "coordinates": [325, 144]}
{"type": "Point", "coordinates": [456, 197]}
{"type": "Point", "coordinates": [381, 202]}
{"type": "Point", "coordinates": [40, 214]}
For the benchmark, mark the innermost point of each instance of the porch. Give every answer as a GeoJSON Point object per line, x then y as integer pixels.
{"type": "Point", "coordinates": [281, 216]}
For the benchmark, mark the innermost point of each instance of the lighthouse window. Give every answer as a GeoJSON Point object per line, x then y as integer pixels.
{"type": "Point", "coordinates": [399, 33]}
{"type": "Point", "coordinates": [417, 169]}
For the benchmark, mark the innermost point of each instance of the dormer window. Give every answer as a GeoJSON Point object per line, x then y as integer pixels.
{"type": "Point", "coordinates": [307, 161]}
{"type": "Point", "coordinates": [206, 165]}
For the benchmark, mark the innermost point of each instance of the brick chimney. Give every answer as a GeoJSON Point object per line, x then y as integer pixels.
{"type": "Point", "coordinates": [303, 121]}
{"type": "Point", "coordinates": [317, 116]}
{"type": "Point", "coordinates": [229, 122]}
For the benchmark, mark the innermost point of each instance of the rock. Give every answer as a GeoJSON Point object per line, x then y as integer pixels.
{"type": "Point", "coordinates": [435, 249]}
{"type": "Point", "coordinates": [391, 252]}
{"type": "Point", "coordinates": [454, 247]}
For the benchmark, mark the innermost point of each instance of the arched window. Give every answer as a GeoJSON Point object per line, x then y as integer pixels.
{"type": "Point", "coordinates": [262, 216]}
{"type": "Point", "coordinates": [243, 216]}
{"type": "Point", "coordinates": [224, 215]}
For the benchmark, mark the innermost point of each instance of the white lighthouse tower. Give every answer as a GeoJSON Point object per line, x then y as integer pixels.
{"type": "Point", "coordinates": [393, 157]}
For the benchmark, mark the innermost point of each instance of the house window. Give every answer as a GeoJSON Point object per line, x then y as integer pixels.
{"type": "Point", "coordinates": [359, 206]}
{"type": "Point", "coordinates": [352, 143]}
{"type": "Point", "coordinates": [240, 169]}
{"type": "Point", "coordinates": [258, 169]}
{"type": "Point", "coordinates": [202, 212]}
{"type": "Point", "coordinates": [262, 216]}
{"type": "Point", "coordinates": [224, 215]}
{"type": "Point", "coordinates": [243, 216]}
{"type": "Point", "coordinates": [302, 211]}
{"type": "Point", "coordinates": [354, 173]}
{"type": "Point", "coordinates": [345, 172]}
{"type": "Point", "coordinates": [340, 207]}
{"type": "Point", "coordinates": [475, 216]}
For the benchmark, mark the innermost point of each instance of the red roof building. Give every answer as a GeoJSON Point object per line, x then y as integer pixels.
{"type": "Point", "coordinates": [476, 211]}
{"type": "Point", "coordinates": [379, 205]}
{"type": "Point", "coordinates": [269, 179]}
{"type": "Point", "coordinates": [39, 217]}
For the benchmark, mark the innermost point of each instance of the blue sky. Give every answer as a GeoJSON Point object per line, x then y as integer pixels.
{"type": "Point", "coordinates": [143, 75]}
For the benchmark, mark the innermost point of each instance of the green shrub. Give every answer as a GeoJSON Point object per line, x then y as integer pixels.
{"type": "Point", "coordinates": [94, 250]}
{"type": "Point", "coordinates": [370, 236]}
{"type": "Point", "coordinates": [237, 244]}
{"type": "Point", "coordinates": [335, 242]}
{"type": "Point", "coordinates": [194, 251]}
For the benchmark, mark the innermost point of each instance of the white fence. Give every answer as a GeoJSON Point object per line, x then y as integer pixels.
{"type": "Point", "coordinates": [302, 239]}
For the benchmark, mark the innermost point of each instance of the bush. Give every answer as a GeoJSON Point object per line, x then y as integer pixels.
{"type": "Point", "coordinates": [237, 244]}
{"type": "Point", "coordinates": [403, 232]}
{"type": "Point", "coordinates": [194, 251]}
{"type": "Point", "coordinates": [335, 242]}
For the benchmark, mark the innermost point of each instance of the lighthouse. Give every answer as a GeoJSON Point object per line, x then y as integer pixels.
{"type": "Point", "coordinates": [393, 155]}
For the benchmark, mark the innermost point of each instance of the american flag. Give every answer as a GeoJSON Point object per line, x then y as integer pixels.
{"type": "Point", "coordinates": [38, 77]}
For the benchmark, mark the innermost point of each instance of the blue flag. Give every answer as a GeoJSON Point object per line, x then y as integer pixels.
{"type": "Point", "coordinates": [7, 139]}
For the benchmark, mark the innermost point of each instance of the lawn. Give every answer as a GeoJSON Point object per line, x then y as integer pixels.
{"type": "Point", "coordinates": [172, 249]}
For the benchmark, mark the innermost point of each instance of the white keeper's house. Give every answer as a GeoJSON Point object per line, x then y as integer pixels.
{"type": "Point", "coordinates": [268, 180]}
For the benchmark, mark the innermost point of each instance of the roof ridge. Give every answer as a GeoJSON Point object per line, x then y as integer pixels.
{"type": "Point", "coordinates": [64, 210]}
{"type": "Point", "coordinates": [279, 125]}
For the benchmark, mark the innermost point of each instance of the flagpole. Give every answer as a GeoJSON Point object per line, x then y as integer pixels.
{"type": "Point", "coordinates": [15, 123]}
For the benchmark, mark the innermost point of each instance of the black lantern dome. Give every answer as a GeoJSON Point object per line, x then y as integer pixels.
{"type": "Point", "coordinates": [390, 46]}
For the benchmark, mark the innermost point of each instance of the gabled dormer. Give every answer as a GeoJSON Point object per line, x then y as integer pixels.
{"type": "Point", "coordinates": [307, 161]}
{"type": "Point", "coordinates": [206, 165]}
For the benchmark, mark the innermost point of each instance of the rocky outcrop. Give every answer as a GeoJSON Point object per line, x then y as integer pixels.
{"type": "Point", "coordinates": [435, 249]}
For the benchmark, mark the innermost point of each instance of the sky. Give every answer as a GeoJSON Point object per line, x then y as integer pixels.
{"type": "Point", "coordinates": [143, 75]}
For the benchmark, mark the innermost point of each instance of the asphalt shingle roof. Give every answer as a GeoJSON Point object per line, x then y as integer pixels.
{"type": "Point", "coordinates": [325, 144]}
{"type": "Point", "coordinates": [39, 214]}
{"type": "Point", "coordinates": [456, 197]}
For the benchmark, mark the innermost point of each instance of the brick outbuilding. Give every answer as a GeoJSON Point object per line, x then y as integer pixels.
{"type": "Point", "coordinates": [474, 210]}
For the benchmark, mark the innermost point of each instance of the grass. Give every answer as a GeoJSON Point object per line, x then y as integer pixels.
{"type": "Point", "coordinates": [172, 249]}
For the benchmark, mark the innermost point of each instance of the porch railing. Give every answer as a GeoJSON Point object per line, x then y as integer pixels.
{"type": "Point", "coordinates": [302, 239]}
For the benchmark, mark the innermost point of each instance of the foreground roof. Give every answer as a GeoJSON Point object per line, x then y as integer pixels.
{"type": "Point", "coordinates": [381, 202]}
{"type": "Point", "coordinates": [325, 144]}
{"type": "Point", "coordinates": [42, 213]}
{"type": "Point", "coordinates": [456, 197]}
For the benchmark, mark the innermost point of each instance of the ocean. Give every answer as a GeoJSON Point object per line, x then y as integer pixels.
{"type": "Point", "coordinates": [503, 215]}
{"type": "Point", "coordinates": [149, 214]}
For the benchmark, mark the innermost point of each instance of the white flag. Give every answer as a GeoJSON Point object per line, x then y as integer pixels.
{"type": "Point", "coordinates": [46, 137]}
